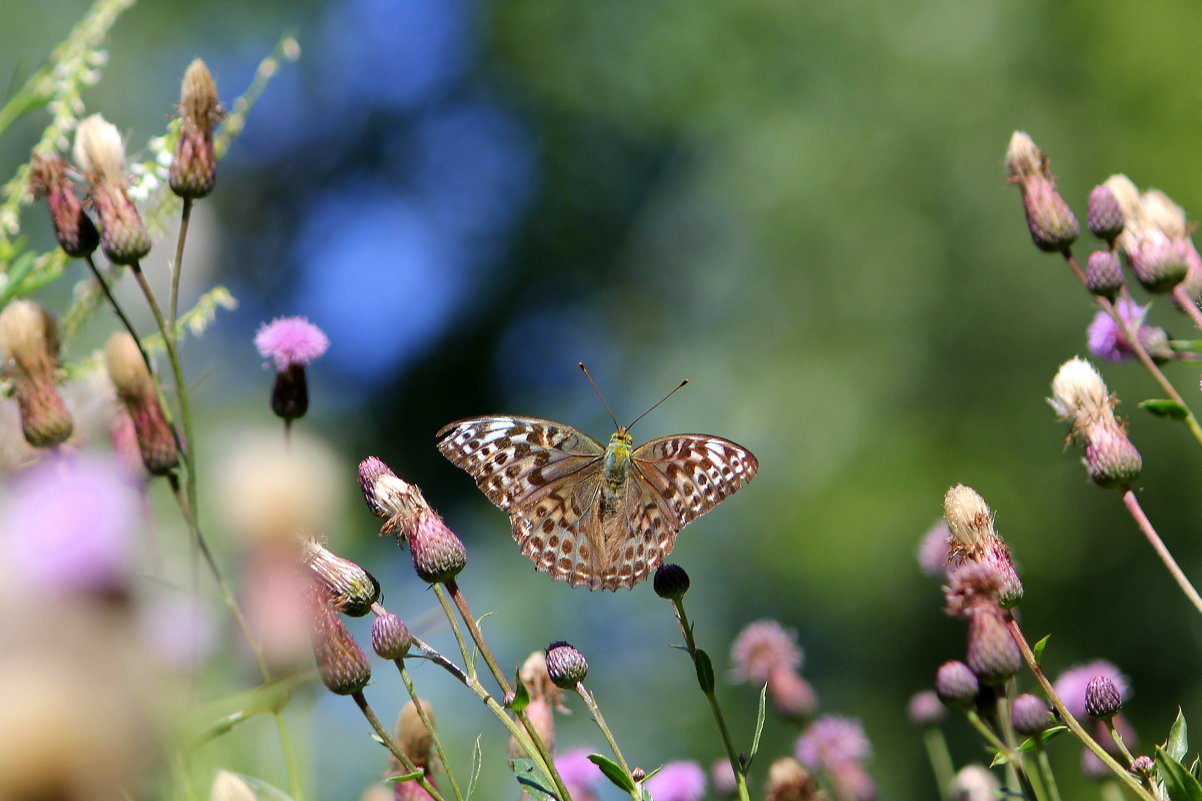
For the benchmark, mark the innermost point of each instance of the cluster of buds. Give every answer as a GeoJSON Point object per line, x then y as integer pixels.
{"type": "Point", "coordinates": [194, 168]}
{"type": "Point", "coordinates": [136, 391]}
{"type": "Point", "coordinates": [100, 156]}
{"type": "Point", "coordinates": [1049, 219]}
{"type": "Point", "coordinates": [438, 555]}
{"type": "Point", "coordinates": [30, 344]}
{"type": "Point", "coordinates": [1080, 396]}
{"type": "Point", "coordinates": [1155, 236]}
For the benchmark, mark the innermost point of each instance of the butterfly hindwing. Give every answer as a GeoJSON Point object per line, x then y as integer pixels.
{"type": "Point", "coordinates": [691, 473]}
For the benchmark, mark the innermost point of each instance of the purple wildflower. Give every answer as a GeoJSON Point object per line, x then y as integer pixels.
{"type": "Point", "coordinates": [579, 773]}
{"type": "Point", "coordinates": [934, 550]}
{"type": "Point", "coordinates": [678, 781]}
{"type": "Point", "coordinates": [1106, 340]}
{"type": "Point", "coordinates": [67, 525]}
{"type": "Point", "coordinates": [290, 342]}
{"type": "Point", "coordinates": [1071, 684]}
{"type": "Point", "coordinates": [762, 646]}
{"type": "Point", "coordinates": [832, 741]}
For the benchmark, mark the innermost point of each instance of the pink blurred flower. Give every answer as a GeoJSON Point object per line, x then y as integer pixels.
{"type": "Point", "coordinates": [678, 781]}
{"type": "Point", "coordinates": [579, 773]}
{"type": "Point", "coordinates": [831, 741]}
{"type": "Point", "coordinates": [933, 550]}
{"type": "Point", "coordinates": [1105, 338]}
{"type": "Point", "coordinates": [290, 342]}
{"type": "Point", "coordinates": [180, 630]}
{"type": "Point", "coordinates": [1071, 684]}
{"type": "Point", "coordinates": [762, 646]}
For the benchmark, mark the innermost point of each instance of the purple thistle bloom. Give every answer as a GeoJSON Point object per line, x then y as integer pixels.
{"type": "Point", "coordinates": [1105, 338]}
{"type": "Point", "coordinates": [761, 647]}
{"type": "Point", "coordinates": [831, 741]}
{"type": "Point", "coordinates": [578, 772]}
{"type": "Point", "coordinates": [67, 525]}
{"type": "Point", "coordinates": [678, 781]}
{"type": "Point", "coordinates": [290, 342]}
{"type": "Point", "coordinates": [1072, 683]}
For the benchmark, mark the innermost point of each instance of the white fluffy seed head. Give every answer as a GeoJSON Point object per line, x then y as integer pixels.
{"type": "Point", "coordinates": [125, 367]}
{"type": "Point", "coordinates": [969, 518]}
{"type": "Point", "coordinates": [1023, 159]}
{"type": "Point", "coordinates": [98, 150]}
{"type": "Point", "coordinates": [1078, 393]}
{"type": "Point", "coordinates": [27, 335]}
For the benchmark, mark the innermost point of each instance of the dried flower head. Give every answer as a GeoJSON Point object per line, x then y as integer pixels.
{"type": "Point", "coordinates": [760, 648]}
{"type": "Point", "coordinates": [678, 781]}
{"type": "Point", "coordinates": [789, 780]}
{"type": "Point", "coordinates": [73, 228]}
{"type": "Point", "coordinates": [566, 666]}
{"type": "Point", "coordinates": [1049, 219]}
{"type": "Point", "coordinates": [1071, 685]}
{"type": "Point", "coordinates": [194, 168]}
{"type": "Point", "coordinates": [100, 155]}
{"type": "Point", "coordinates": [29, 342]}
{"type": "Point", "coordinates": [389, 497]}
{"type": "Point", "coordinates": [350, 588]}
{"type": "Point", "coordinates": [975, 541]}
{"type": "Point", "coordinates": [1080, 397]}
{"type": "Point", "coordinates": [956, 684]}
{"type": "Point", "coordinates": [135, 390]}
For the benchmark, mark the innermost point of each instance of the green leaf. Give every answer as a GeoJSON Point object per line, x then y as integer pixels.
{"type": "Point", "coordinates": [612, 771]}
{"type": "Point", "coordinates": [1162, 407]}
{"type": "Point", "coordinates": [1178, 781]}
{"type": "Point", "coordinates": [705, 671]}
{"type": "Point", "coordinates": [1178, 743]}
{"type": "Point", "coordinates": [521, 698]}
{"type": "Point", "coordinates": [532, 779]}
{"type": "Point", "coordinates": [403, 777]}
{"type": "Point", "coordinates": [1031, 743]}
{"type": "Point", "coordinates": [759, 728]}
{"type": "Point", "coordinates": [1039, 646]}
{"type": "Point", "coordinates": [477, 764]}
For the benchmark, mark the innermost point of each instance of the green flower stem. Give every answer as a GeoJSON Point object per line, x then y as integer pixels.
{"type": "Point", "coordinates": [429, 724]}
{"type": "Point", "coordinates": [1067, 718]}
{"type": "Point", "coordinates": [468, 662]}
{"type": "Point", "coordinates": [177, 266]}
{"type": "Point", "coordinates": [1118, 740]}
{"type": "Point", "coordinates": [406, 763]}
{"type": "Point", "coordinates": [1187, 304]}
{"type": "Point", "coordinates": [1011, 755]}
{"type": "Point", "coordinates": [1015, 768]}
{"type": "Point", "coordinates": [599, 719]}
{"type": "Point", "coordinates": [691, 646]}
{"type": "Point", "coordinates": [108, 294]}
{"type": "Point", "coordinates": [1145, 525]}
{"type": "Point", "coordinates": [941, 761]}
{"type": "Point", "coordinates": [1132, 337]}
{"type": "Point", "coordinates": [1045, 768]}
{"type": "Point", "coordinates": [295, 788]}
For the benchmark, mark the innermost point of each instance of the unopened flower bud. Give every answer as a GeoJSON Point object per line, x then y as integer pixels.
{"type": "Point", "coordinates": [1104, 216]}
{"type": "Point", "coordinates": [1104, 274]}
{"type": "Point", "coordinates": [390, 497]}
{"type": "Point", "coordinates": [100, 155]}
{"type": "Point", "coordinates": [974, 540]}
{"type": "Point", "coordinates": [566, 666]}
{"type": "Point", "coordinates": [438, 555]}
{"type": "Point", "coordinates": [194, 168]}
{"type": "Point", "coordinates": [671, 582]}
{"type": "Point", "coordinates": [29, 342]}
{"type": "Point", "coordinates": [1030, 715]}
{"type": "Point", "coordinates": [73, 228]}
{"type": "Point", "coordinates": [956, 684]}
{"type": "Point", "coordinates": [1049, 219]}
{"type": "Point", "coordinates": [1080, 397]}
{"type": "Point", "coordinates": [789, 780]}
{"type": "Point", "coordinates": [135, 389]}
{"type": "Point", "coordinates": [792, 696]}
{"type": "Point", "coordinates": [390, 637]}
{"type": "Point", "coordinates": [1143, 765]}
{"type": "Point", "coordinates": [341, 662]}
{"type": "Point", "coordinates": [992, 653]}
{"type": "Point", "coordinates": [1111, 460]}
{"type": "Point", "coordinates": [1158, 262]}
{"type": "Point", "coordinates": [925, 709]}
{"type": "Point", "coordinates": [351, 589]}
{"type": "Point", "coordinates": [1102, 698]}
{"type": "Point", "coordinates": [413, 738]}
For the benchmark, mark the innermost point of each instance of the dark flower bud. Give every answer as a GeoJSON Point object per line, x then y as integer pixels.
{"type": "Point", "coordinates": [956, 684]}
{"type": "Point", "coordinates": [992, 652]}
{"type": "Point", "coordinates": [73, 228]}
{"type": "Point", "coordinates": [566, 666]}
{"type": "Point", "coordinates": [390, 637]}
{"type": "Point", "coordinates": [1104, 216]}
{"type": "Point", "coordinates": [438, 555]}
{"type": "Point", "coordinates": [341, 662]}
{"type": "Point", "coordinates": [671, 582]}
{"type": "Point", "coordinates": [1030, 715]}
{"type": "Point", "coordinates": [351, 589]}
{"type": "Point", "coordinates": [925, 709]}
{"type": "Point", "coordinates": [1104, 274]}
{"type": "Point", "coordinates": [1102, 698]}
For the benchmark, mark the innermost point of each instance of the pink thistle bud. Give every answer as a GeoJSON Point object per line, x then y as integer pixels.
{"type": "Point", "coordinates": [341, 662]}
{"type": "Point", "coordinates": [925, 709]}
{"type": "Point", "coordinates": [1104, 216]}
{"type": "Point", "coordinates": [789, 780]}
{"type": "Point", "coordinates": [992, 653]}
{"type": "Point", "coordinates": [194, 168]}
{"type": "Point", "coordinates": [1143, 765]}
{"type": "Point", "coordinates": [1158, 262]}
{"type": "Point", "coordinates": [1072, 684]}
{"type": "Point", "coordinates": [566, 666]}
{"type": "Point", "coordinates": [30, 344]}
{"type": "Point", "coordinates": [956, 684]}
{"type": "Point", "coordinates": [1049, 219]}
{"type": "Point", "coordinates": [1111, 460]}
{"type": "Point", "coordinates": [792, 696]}
{"type": "Point", "coordinates": [761, 647]}
{"type": "Point", "coordinates": [100, 155]}
{"type": "Point", "coordinates": [1030, 715]}
{"type": "Point", "coordinates": [1080, 397]}
{"type": "Point", "coordinates": [73, 228]}
{"type": "Point", "coordinates": [135, 389]}
{"type": "Point", "coordinates": [1104, 274]}
{"type": "Point", "coordinates": [438, 555]}
{"type": "Point", "coordinates": [350, 589]}
{"type": "Point", "coordinates": [1102, 698]}
{"type": "Point", "coordinates": [390, 637]}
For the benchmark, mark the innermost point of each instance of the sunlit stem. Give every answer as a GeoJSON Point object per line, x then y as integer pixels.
{"type": "Point", "coordinates": [1045, 768]}
{"type": "Point", "coordinates": [177, 267]}
{"type": "Point", "coordinates": [386, 738]}
{"type": "Point", "coordinates": [1014, 761]}
{"type": "Point", "coordinates": [1118, 740]}
{"type": "Point", "coordinates": [599, 719]}
{"type": "Point", "coordinates": [429, 724]}
{"type": "Point", "coordinates": [1145, 525]}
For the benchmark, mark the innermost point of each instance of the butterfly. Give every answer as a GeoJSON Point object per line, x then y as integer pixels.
{"type": "Point", "coordinates": [602, 516]}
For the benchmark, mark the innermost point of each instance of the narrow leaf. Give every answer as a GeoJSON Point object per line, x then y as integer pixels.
{"type": "Point", "coordinates": [1178, 743]}
{"type": "Point", "coordinates": [759, 726]}
{"type": "Point", "coordinates": [612, 771]}
{"type": "Point", "coordinates": [1180, 783]}
{"type": "Point", "coordinates": [1031, 743]}
{"type": "Point", "coordinates": [1162, 407]}
{"type": "Point", "coordinates": [705, 671]}
{"type": "Point", "coordinates": [477, 764]}
{"type": "Point", "coordinates": [532, 779]}
{"type": "Point", "coordinates": [404, 777]}
{"type": "Point", "coordinates": [521, 698]}
{"type": "Point", "coordinates": [1039, 646]}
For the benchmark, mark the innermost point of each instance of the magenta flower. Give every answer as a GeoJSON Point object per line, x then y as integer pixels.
{"type": "Point", "coordinates": [831, 742]}
{"type": "Point", "coordinates": [1071, 684]}
{"type": "Point", "coordinates": [289, 342]}
{"type": "Point", "coordinates": [678, 781]}
{"type": "Point", "coordinates": [1105, 338]}
{"type": "Point", "coordinates": [762, 646]}
{"type": "Point", "coordinates": [579, 773]}
{"type": "Point", "coordinates": [67, 525]}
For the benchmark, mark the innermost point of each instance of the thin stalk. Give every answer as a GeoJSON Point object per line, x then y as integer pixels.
{"type": "Point", "coordinates": [599, 719]}
{"type": "Point", "coordinates": [177, 267]}
{"type": "Point", "coordinates": [1014, 761]}
{"type": "Point", "coordinates": [1187, 304]}
{"type": "Point", "coordinates": [1045, 767]}
{"type": "Point", "coordinates": [1068, 720]}
{"type": "Point", "coordinates": [429, 724]}
{"type": "Point", "coordinates": [463, 649]}
{"type": "Point", "coordinates": [295, 788]}
{"type": "Point", "coordinates": [1011, 755]}
{"type": "Point", "coordinates": [941, 761]}
{"type": "Point", "coordinates": [406, 763]}
{"type": "Point", "coordinates": [691, 645]}
{"type": "Point", "coordinates": [1145, 525]}
{"type": "Point", "coordinates": [1118, 740]}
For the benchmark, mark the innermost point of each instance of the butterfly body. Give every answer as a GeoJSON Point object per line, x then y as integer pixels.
{"type": "Point", "coordinates": [593, 515]}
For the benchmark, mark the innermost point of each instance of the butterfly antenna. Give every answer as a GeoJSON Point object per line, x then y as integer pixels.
{"type": "Point", "coordinates": [661, 400]}
{"type": "Point", "coordinates": [602, 397]}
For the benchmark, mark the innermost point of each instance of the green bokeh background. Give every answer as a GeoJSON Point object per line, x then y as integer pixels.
{"type": "Point", "coordinates": [802, 208]}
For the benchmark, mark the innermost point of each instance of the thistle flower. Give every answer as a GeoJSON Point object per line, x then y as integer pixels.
{"type": "Point", "coordinates": [925, 709]}
{"type": "Point", "coordinates": [135, 389]}
{"type": "Point", "coordinates": [792, 696]}
{"type": "Point", "coordinates": [100, 156]}
{"type": "Point", "coordinates": [566, 666]}
{"type": "Point", "coordinates": [831, 741]}
{"type": "Point", "coordinates": [788, 780]}
{"type": "Point", "coordinates": [1107, 340]}
{"type": "Point", "coordinates": [1071, 685]}
{"type": "Point", "coordinates": [677, 781]}
{"type": "Point", "coordinates": [289, 344]}
{"type": "Point", "coordinates": [350, 588]}
{"type": "Point", "coordinates": [343, 666]}
{"type": "Point", "coordinates": [760, 648]}
{"type": "Point", "coordinates": [29, 342]}
{"type": "Point", "coordinates": [956, 684]}
{"type": "Point", "coordinates": [73, 228]}
{"type": "Point", "coordinates": [1102, 698]}
{"type": "Point", "coordinates": [1155, 235]}
{"type": "Point", "coordinates": [390, 637]}
{"type": "Point", "coordinates": [1030, 715]}
{"type": "Point", "coordinates": [1104, 274]}
{"type": "Point", "coordinates": [974, 540]}
{"type": "Point", "coordinates": [1104, 216]}
{"type": "Point", "coordinates": [1049, 219]}
{"type": "Point", "coordinates": [194, 168]}
{"type": "Point", "coordinates": [1080, 397]}
{"type": "Point", "coordinates": [579, 773]}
